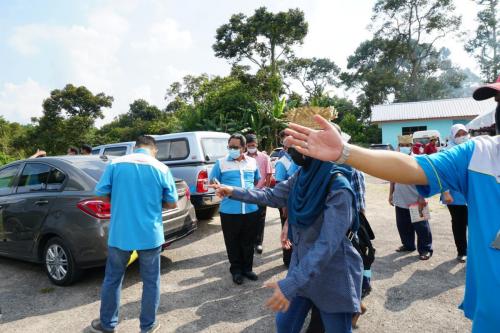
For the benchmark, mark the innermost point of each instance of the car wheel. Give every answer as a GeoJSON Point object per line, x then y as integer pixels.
{"type": "Point", "coordinates": [206, 213]}
{"type": "Point", "coordinates": [59, 263]}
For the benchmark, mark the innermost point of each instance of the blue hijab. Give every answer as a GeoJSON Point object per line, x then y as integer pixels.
{"type": "Point", "coordinates": [307, 199]}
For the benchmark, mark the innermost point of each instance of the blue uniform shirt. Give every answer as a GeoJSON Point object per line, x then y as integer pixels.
{"type": "Point", "coordinates": [284, 168]}
{"type": "Point", "coordinates": [137, 183]}
{"type": "Point", "coordinates": [244, 173]}
{"type": "Point", "coordinates": [473, 169]}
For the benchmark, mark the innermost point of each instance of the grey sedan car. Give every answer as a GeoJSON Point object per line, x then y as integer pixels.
{"type": "Point", "coordinates": [49, 214]}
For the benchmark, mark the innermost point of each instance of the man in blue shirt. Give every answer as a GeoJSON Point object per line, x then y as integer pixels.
{"type": "Point", "coordinates": [238, 219]}
{"type": "Point", "coordinates": [139, 186]}
{"type": "Point", "coordinates": [471, 168]}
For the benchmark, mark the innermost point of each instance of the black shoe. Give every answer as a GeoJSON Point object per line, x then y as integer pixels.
{"type": "Point", "coordinates": [259, 249]}
{"type": "Point", "coordinates": [238, 278]}
{"type": "Point", "coordinates": [96, 327]}
{"type": "Point", "coordinates": [251, 276]}
{"type": "Point", "coordinates": [153, 329]}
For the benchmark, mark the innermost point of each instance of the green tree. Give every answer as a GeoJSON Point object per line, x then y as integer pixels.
{"type": "Point", "coordinates": [68, 118]}
{"type": "Point", "coordinates": [401, 61]}
{"type": "Point", "coordinates": [142, 118]}
{"type": "Point", "coordinates": [485, 45]}
{"type": "Point", "coordinates": [263, 39]}
{"type": "Point", "coordinates": [314, 74]}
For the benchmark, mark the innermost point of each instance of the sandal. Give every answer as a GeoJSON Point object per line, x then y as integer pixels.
{"type": "Point", "coordinates": [425, 256]}
{"type": "Point", "coordinates": [403, 248]}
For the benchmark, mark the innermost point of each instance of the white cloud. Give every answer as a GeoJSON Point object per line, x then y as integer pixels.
{"type": "Point", "coordinates": [20, 102]}
{"type": "Point", "coordinates": [163, 36]}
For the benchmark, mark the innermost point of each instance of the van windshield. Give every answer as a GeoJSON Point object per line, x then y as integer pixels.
{"type": "Point", "coordinates": [214, 148]}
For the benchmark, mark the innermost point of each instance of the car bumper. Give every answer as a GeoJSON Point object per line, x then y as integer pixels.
{"type": "Point", "coordinates": [205, 201]}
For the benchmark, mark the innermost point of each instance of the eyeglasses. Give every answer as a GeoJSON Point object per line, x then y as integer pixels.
{"type": "Point", "coordinates": [234, 147]}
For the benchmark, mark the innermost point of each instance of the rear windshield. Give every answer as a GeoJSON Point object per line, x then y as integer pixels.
{"type": "Point", "coordinates": [214, 148]}
{"type": "Point", "coordinates": [115, 151]}
{"type": "Point", "coordinates": [93, 168]}
{"type": "Point", "coordinates": [172, 150]}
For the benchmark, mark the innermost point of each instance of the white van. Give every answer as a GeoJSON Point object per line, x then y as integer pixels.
{"type": "Point", "coordinates": [425, 136]}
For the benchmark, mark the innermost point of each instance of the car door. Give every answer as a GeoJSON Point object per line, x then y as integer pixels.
{"type": "Point", "coordinates": [8, 176]}
{"type": "Point", "coordinates": [28, 208]}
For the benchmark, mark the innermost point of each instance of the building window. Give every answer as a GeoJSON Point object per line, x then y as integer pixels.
{"type": "Point", "coordinates": [411, 130]}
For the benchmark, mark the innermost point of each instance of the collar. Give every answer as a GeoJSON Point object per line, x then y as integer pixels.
{"type": "Point", "coordinates": [251, 155]}
{"type": "Point", "coordinates": [142, 151]}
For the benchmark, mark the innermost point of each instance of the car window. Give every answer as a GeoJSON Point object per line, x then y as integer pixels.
{"type": "Point", "coordinates": [115, 151]}
{"type": "Point", "coordinates": [96, 151]}
{"type": "Point", "coordinates": [93, 168]}
{"type": "Point", "coordinates": [214, 148]}
{"type": "Point", "coordinates": [56, 180]}
{"type": "Point", "coordinates": [7, 177]}
{"type": "Point", "coordinates": [34, 177]}
{"type": "Point", "coordinates": [171, 150]}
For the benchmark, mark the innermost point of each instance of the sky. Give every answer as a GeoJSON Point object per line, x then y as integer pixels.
{"type": "Point", "coordinates": [133, 49]}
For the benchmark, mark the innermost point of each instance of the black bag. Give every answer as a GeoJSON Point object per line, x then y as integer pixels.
{"type": "Point", "coordinates": [363, 242]}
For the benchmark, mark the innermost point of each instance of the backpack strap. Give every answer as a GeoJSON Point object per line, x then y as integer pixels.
{"type": "Point", "coordinates": [339, 181]}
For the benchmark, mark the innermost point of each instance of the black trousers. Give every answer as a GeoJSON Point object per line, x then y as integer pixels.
{"type": "Point", "coordinates": [459, 227]}
{"type": "Point", "coordinates": [239, 235]}
{"type": "Point", "coordinates": [287, 254]}
{"type": "Point", "coordinates": [261, 222]}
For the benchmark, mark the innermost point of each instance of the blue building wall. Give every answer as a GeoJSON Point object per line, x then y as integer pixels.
{"type": "Point", "coordinates": [390, 131]}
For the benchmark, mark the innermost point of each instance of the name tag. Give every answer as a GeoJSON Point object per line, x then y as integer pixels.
{"type": "Point", "coordinates": [496, 242]}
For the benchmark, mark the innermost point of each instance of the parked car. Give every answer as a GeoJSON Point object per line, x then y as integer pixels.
{"type": "Point", "coordinates": [275, 155]}
{"type": "Point", "coordinates": [49, 214]}
{"type": "Point", "coordinates": [424, 137]}
{"type": "Point", "coordinates": [381, 146]}
{"type": "Point", "coordinates": [190, 156]}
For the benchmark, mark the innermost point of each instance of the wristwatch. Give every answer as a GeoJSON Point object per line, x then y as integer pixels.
{"type": "Point", "coordinates": [346, 151]}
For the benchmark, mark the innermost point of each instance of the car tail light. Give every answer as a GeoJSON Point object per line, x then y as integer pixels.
{"type": "Point", "coordinates": [96, 208]}
{"type": "Point", "coordinates": [188, 194]}
{"type": "Point", "coordinates": [202, 181]}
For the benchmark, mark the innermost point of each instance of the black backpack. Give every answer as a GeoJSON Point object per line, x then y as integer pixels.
{"type": "Point", "coordinates": [363, 242]}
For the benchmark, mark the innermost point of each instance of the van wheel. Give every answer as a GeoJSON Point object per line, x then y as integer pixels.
{"type": "Point", "coordinates": [59, 263]}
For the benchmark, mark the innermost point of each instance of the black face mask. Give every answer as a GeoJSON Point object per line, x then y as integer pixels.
{"type": "Point", "coordinates": [298, 158]}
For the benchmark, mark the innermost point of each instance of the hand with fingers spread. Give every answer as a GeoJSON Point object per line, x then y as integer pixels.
{"type": "Point", "coordinates": [278, 301]}
{"type": "Point", "coordinates": [325, 144]}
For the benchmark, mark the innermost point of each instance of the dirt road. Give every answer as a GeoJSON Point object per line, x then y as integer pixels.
{"type": "Point", "coordinates": [198, 295]}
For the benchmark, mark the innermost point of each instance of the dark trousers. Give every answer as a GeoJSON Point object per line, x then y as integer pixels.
{"type": "Point", "coordinates": [261, 221]}
{"type": "Point", "coordinates": [407, 231]}
{"type": "Point", "coordinates": [459, 227]}
{"type": "Point", "coordinates": [239, 235]}
{"type": "Point", "coordinates": [287, 254]}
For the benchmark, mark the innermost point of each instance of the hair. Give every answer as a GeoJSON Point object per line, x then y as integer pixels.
{"type": "Point", "coordinates": [86, 148]}
{"type": "Point", "coordinates": [74, 150]}
{"type": "Point", "coordinates": [251, 138]}
{"type": "Point", "coordinates": [238, 136]}
{"type": "Point", "coordinates": [145, 141]}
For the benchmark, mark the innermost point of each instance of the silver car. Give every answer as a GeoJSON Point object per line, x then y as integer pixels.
{"type": "Point", "coordinates": [49, 214]}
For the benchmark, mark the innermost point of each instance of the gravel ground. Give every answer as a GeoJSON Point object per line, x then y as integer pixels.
{"type": "Point", "coordinates": [198, 295]}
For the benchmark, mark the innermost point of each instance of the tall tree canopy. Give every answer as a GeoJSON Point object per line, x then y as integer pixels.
{"type": "Point", "coordinates": [485, 45]}
{"type": "Point", "coordinates": [68, 118]}
{"type": "Point", "coordinates": [263, 38]}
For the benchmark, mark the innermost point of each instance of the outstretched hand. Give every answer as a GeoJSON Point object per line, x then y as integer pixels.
{"type": "Point", "coordinates": [278, 301]}
{"type": "Point", "coordinates": [222, 190]}
{"type": "Point", "coordinates": [325, 144]}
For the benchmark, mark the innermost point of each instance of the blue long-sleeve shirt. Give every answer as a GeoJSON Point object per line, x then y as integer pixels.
{"type": "Point", "coordinates": [325, 267]}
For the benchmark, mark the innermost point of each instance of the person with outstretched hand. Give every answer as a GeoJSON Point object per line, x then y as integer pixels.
{"type": "Point", "coordinates": [471, 168]}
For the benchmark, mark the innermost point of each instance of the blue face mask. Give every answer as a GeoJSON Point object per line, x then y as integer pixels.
{"type": "Point", "coordinates": [405, 150]}
{"type": "Point", "coordinates": [234, 153]}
